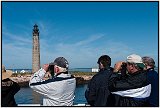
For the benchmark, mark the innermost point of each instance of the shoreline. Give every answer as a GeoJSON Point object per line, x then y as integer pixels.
{"type": "Point", "coordinates": [23, 81]}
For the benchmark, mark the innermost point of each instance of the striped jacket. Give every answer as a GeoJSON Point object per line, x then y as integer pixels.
{"type": "Point", "coordinates": [132, 90]}
{"type": "Point", "coordinates": [58, 91]}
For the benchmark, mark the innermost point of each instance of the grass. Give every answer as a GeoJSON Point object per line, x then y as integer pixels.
{"type": "Point", "coordinates": [75, 73]}
{"type": "Point", "coordinates": [21, 74]}
{"type": "Point", "coordinates": [78, 73]}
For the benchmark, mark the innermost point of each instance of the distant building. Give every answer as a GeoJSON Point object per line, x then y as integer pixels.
{"type": "Point", "coordinates": [15, 71]}
{"type": "Point", "coordinates": [95, 69]}
{"type": "Point", "coordinates": [22, 71]}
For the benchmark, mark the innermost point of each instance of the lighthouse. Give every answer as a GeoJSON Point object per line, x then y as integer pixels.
{"type": "Point", "coordinates": [35, 50]}
{"type": "Point", "coordinates": [36, 59]}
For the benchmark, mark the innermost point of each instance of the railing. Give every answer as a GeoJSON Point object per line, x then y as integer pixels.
{"type": "Point", "coordinates": [42, 105]}
{"type": "Point", "coordinates": [29, 105]}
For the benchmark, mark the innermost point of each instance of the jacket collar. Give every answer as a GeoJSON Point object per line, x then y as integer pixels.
{"type": "Point", "coordinates": [63, 74]}
{"type": "Point", "coordinates": [150, 69]}
{"type": "Point", "coordinates": [105, 69]}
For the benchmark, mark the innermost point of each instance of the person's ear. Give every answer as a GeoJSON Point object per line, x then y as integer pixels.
{"type": "Point", "coordinates": [101, 65]}
{"type": "Point", "coordinates": [132, 67]}
{"type": "Point", "coordinates": [57, 69]}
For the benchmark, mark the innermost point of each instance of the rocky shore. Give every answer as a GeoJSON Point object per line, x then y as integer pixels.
{"type": "Point", "coordinates": [82, 79]}
{"type": "Point", "coordinates": [23, 81]}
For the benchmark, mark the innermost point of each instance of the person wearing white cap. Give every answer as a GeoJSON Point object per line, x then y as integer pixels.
{"type": "Point", "coordinates": [58, 90]}
{"type": "Point", "coordinates": [133, 88]}
{"type": "Point", "coordinates": [9, 89]}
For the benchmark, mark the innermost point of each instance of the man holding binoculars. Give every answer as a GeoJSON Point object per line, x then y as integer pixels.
{"type": "Point", "coordinates": [133, 89]}
{"type": "Point", "coordinates": [59, 89]}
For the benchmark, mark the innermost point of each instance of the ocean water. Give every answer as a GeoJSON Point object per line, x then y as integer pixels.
{"type": "Point", "coordinates": [24, 96]}
{"type": "Point", "coordinates": [70, 70]}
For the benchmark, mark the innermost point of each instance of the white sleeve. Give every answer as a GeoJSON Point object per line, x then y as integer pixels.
{"type": "Point", "coordinates": [36, 82]}
{"type": "Point", "coordinates": [37, 76]}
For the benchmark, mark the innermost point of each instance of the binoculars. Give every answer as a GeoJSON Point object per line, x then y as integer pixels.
{"type": "Point", "coordinates": [51, 69]}
{"type": "Point", "coordinates": [123, 69]}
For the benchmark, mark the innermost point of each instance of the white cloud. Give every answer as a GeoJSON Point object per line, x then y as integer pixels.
{"type": "Point", "coordinates": [89, 40]}
{"type": "Point", "coordinates": [83, 54]}
{"type": "Point", "coordinates": [79, 54]}
{"type": "Point", "coordinates": [17, 38]}
{"type": "Point", "coordinates": [19, 56]}
{"type": "Point", "coordinates": [16, 50]}
{"type": "Point", "coordinates": [44, 28]}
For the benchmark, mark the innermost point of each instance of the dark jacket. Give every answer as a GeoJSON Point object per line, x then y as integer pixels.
{"type": "Point", "coordinates": [8, 90]}
{"type": "Point", "coordinates": [97, 92]}
{"type": "Point", "coordinates": [133, 90]}
{"type": "Point", "coordinates": [152, 77]}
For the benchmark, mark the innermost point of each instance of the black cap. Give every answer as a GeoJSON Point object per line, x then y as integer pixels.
{"type": "Point", "coordinates": [61, 62]}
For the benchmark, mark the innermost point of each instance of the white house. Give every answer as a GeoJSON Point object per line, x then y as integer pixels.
{"type": "Point", "coordinates": [22, 71]}
{"type": "Point", "coordinates": [95, 69]}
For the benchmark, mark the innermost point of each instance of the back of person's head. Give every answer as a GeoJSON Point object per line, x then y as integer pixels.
{"type": "Point", "coordinates": [61, 63]}
{"type": "Point", "coordinates": [105, 60]}
{"type": "Point", "coordinates": [148, 61]}
{"type": "Point", "coordinates": [136, 61]}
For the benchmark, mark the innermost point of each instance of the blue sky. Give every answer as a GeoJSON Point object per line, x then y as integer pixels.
{"type": "Point", "coordinates": [79, 31]}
